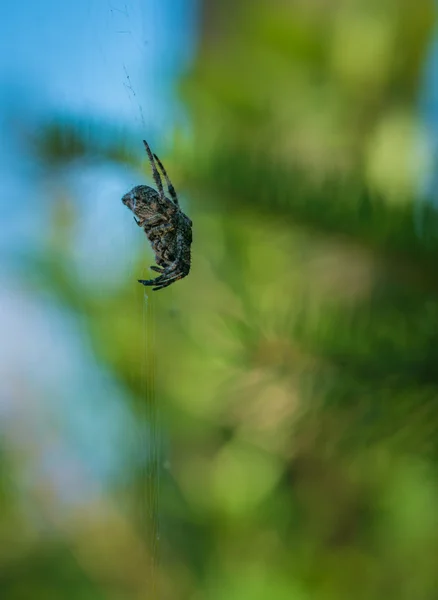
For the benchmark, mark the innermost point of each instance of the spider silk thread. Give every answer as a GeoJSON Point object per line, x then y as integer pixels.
{"type": "Point", "coordinates": [151, 442]}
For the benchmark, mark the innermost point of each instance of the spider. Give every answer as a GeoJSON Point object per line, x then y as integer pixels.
{"type": "Point", "coordinates": [167, 228]}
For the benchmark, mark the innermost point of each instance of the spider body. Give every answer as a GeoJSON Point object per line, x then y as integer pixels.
{"type": "Point", "coordinates": [167, 228]}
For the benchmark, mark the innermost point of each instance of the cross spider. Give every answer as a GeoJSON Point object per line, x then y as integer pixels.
{"type": "Point", "coordinates": [167, 228]}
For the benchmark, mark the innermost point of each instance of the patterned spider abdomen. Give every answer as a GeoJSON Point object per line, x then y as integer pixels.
{"type": "Point", "coordinates": [144, 202]}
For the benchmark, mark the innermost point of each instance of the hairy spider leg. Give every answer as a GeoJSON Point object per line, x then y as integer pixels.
{"type": "Point", "coordinates": [170, 187]}
{"type": "Point", "coordinates": [157, 269]}
{"type": "Point", "coordinates": [169, 276]}
{"type": "Point", "coordinates": [159, 280]}
{"type": "Point", "coordinates": [160, 228]}
{"type": "Point", "coordinates": [148, 281]}
{"type": "Point", "coordinates": [155, 173]}
{"type": "Point", "coordinates": [167, 282]}
{"type": "Point", "coordinates": [148, 221]}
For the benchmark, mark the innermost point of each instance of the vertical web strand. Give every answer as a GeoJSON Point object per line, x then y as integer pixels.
{"type": "Point", "coordinates": [149, 442]}
{"type": "Point", "coordinates": [150, 445]}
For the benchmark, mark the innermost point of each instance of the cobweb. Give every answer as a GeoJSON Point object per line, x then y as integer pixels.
{"type": "Point", "coordinates": [127, 21]}
{"type": "Point", "coordinates": [153, 47]}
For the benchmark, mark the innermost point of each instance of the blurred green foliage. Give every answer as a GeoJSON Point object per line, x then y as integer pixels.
{"type": "Point", "coordinates": [296, 368]}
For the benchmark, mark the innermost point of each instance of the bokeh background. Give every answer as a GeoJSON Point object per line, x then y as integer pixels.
{"type": "Point", "coordinates": [267, 427]}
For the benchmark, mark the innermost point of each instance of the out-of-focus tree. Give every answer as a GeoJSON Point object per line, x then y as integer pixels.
{"type": "Point", "coordinates": [296, 366]}
{"type": "Point", "coordinates": [329, 86]}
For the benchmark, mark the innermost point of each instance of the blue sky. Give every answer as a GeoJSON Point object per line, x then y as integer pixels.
{"type": "Point", "coordinates": [111, 60]}
{"type": "Point", "coordinates": [73, 55]}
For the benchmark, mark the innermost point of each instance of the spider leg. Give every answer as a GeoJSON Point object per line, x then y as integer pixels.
{"type": "Point", "coordinates": [165, 282]}
{"type": "Point", "coordinates": [170, 187]}
{"type": "Point", "coordinates": [157, 269]}
{"type": "Point", "coordinates": [161, 279]}
{"type": "Point", "coordinates": [160, 287]}
{"type": "Point", "coordinates": [155, 173]}
{"type": "Point", "coordinates": [148, 281]}
{"type": "Point", "coordinates": [158, 281]}
{"type": "Point", "coordinates": [153, 221]}
{"type": "Point", "coordinates": [160, 228]}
